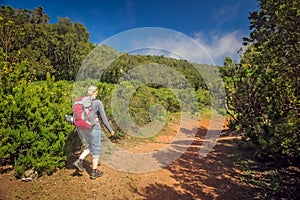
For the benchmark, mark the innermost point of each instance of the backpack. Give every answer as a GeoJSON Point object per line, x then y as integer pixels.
{"type": "Point", "coordinates": [83, 114]}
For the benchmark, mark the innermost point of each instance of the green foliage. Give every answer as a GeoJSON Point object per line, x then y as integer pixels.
{"type": "Point", "coordinates": [69, 47]}
{"type": "Point", "coordinates": [269, 182]}
{"type": "Point", "coordinates": [55, 48]}
{"type": "Point", "coordinates": [11, 75]}
{"type": "Point", "coordinates": [33, 130]}
{"type": "Point", "coordinates": [144, 104]}
{"type": "Point", "coordinates": [126, 62]}
{"type": "Point", "coordinates": [203, 98]}
{"type": "Point", "coordinates": [36, 61]}
{"type": "Point", "coordinates": [263, 90]}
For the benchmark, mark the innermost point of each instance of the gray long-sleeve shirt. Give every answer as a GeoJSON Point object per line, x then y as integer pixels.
{"type": "Point", "coordinates": [98, 108]}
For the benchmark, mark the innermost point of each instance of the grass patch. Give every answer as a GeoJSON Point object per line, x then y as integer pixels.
{"type": "Point", "coordinates": [268, 181]}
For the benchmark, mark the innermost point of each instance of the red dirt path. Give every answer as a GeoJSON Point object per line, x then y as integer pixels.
{"type": "Point", "coordinates": [189, 177]}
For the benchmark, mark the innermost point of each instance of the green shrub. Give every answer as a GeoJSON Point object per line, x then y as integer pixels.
{"type": "Point", "coordinates": [34, 133]}
{"type": "Point", "coordinates": [33, 129]}
{"type": "Point", "coordinates": [145, 104]}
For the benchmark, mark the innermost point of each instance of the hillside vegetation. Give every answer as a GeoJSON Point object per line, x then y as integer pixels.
{"type": "Point", "coordinates": [39, 62]}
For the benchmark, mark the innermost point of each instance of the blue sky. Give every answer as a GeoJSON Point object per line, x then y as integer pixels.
{"type": "Point", "coordinates": [218, 25]}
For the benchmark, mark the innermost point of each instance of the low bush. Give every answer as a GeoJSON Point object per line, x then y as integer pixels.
{"type": "Point", "coordinates": [33, 130]}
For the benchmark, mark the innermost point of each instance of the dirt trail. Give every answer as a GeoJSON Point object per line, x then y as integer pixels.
{"type": "Point", "coordinates": [189, 177]}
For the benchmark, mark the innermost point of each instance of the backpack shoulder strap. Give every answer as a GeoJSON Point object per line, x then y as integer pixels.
{"type": "Point", "coordinates": [85, 101]}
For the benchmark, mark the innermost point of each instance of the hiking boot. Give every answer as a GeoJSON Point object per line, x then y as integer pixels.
{"type": "Point", "coordinates": [96, 174]}
{"type": "Point", "coordinates": [78, 165]}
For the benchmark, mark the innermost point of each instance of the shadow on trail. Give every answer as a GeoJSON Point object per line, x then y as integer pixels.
{"type": "Point", "coordinates": [72, 150]}
{"type": "Point", "coordinates": [211, 177]}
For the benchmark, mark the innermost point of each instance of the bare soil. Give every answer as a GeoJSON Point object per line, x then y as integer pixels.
{"type": "Point", "coordinates": [189, 177]}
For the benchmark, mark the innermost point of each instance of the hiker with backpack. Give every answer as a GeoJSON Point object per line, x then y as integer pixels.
{"type": "Point", "coordinates": [85, 115]}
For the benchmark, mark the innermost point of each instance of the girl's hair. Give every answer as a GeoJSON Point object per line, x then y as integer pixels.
{"type": "Point", "coordinates": [92, 90]}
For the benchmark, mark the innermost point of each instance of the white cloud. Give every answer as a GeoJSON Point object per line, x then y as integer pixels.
{"type": "Point", "coordinates": [202, 48]}
{"type": "Point", "coordinates": [219, 46]}
{"type": "Point", "coordinates": [173, 44]}
{"type": "Point", "coordinates": [214, 47]}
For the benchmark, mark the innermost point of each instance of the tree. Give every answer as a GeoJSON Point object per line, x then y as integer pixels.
{"type": "Point", "coordinates": [69, 47]}
{"type": "Point", "coordinates": [7, 35]}
{"type": "Point", "coordinates": [55, 48]}
{"type": "Point", "coordinates": [265, 84]}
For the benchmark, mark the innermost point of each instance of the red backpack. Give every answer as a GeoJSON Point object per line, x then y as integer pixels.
{"type": "Point", "coordinates": [83, 114]}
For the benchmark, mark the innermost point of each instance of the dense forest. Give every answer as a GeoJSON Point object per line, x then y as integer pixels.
{"type": "Point", "coordinates": [39, 62]}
